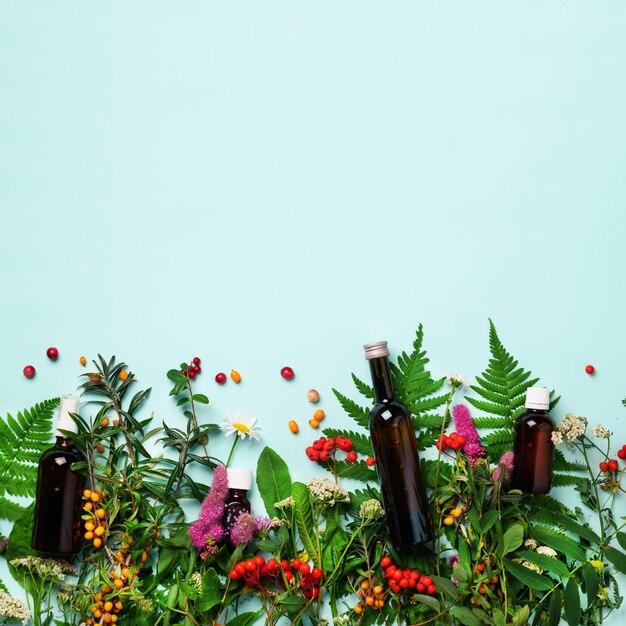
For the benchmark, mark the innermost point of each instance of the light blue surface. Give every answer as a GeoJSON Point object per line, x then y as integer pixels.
{"type": "Point", "coordinates": [277, 183]}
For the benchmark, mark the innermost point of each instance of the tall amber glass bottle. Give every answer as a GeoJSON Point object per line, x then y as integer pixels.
{"type": "Point", "coordinates": [397, 460]}
{"type": "Point", "coordinates": [59, 490]}
{"type": "Point", "coordinates": [534, 450]}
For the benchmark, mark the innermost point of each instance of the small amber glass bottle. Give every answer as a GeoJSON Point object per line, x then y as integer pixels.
{"type": "Point", "coordinates": [239, 483]}
{"type": "Point", "coordinates": [534, 449]}
{"type": "Point", "coordinates": [59, 490]}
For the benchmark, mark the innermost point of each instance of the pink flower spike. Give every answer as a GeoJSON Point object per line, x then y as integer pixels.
{"type": "Point", "coordinates": [244, 529]}
{"type": "Point", "coordinates": [505, 463]}
{"type": "Point", "coordinates": [465, 427]}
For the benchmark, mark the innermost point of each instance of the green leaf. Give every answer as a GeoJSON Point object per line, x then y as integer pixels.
{"type": "Point", "coordinates": [357, 413]}
{"type": "Point", "coordinates": [521, 617]}
{"type": "Point", "coordinates": [176, 376]}
{"type": "Point", "coordinates": [551, 564]}
{"type": "Point", "coordinates": [527, 576]}
{"type": "Point", "coordinates": [200, 398]}
{"type": "Point", "coordinates": [560, 543]}
{"type": "Point", "coordinates": [555, 608]}
{"type": "Point", "coordinates": [211, 594]}
{"type": "Point", "coordinates": [447, 586]}
{"type": "Point", "coordinates": [433, 603]}
{"type": "Point", "coordinates": [621, 539]}
{"type": "Point", "coordinates": [272, 479]}
{"type": "Point", "coordinates": [245, 619]}
{"type": "Point", "coordinates": [582, 531]}
{"type": "Point", "coordinates": [304, 520]}
{"type": "Point", "coordinates": [513, 538]}
{"type": "Point", "coordinates": [465, 616]}
{"type": "Point", "coordinates": [19, 544]}
{"type": "Point", "coordinates": [616, 557]}
{"type": "Point", "coordinates": [572, 602]}
{"type": "Point", "coordinates": [592, 582]}
{"type": "Point", "coordinates": [488, 520]}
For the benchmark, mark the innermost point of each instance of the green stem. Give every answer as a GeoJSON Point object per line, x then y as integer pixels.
{"type": "Point", "coordinates": [230, 456]}
{"type": "Point", "coordinates": [595, 488]}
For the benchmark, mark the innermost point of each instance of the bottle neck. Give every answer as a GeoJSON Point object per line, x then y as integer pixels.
{"type": "Point", "coordinates": [238, 494]}
{"type": "Point", "coordinates": [64, 442]}
{"type": "Point", "coordinates": [381, 380]}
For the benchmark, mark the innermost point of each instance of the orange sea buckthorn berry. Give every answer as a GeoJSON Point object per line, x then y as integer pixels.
{"type": "Point", "coordinates": [118, 583]}
{"type": "Point", "coordinates": [126, 572]}
{"type": "Point", "coordinates": [144, 557]}
{"type": "Point", "coordinates": [106, 618]}
{"type": "Point", "coordinates": [99, 531]}
{"type": "Point", "coordinates": [94, 379]}
{"type": "Point", "coordinates": [293, 426]}
{"type": "Point", "coordinates": [448, 521]}
{"type": "Point", "coordinates": [314, 423]}
{"type": "Point", "coordinates": [97, 613]}
{"type": "Point", "coordinates": [106, 589]}
{"type": "Point", "coordinates": [105, 422]}
{"type": "Point", "coordinates": [95, 496]}
{"type": "Point", "coordinates": [101, 514]}
{"type": "Point", "coordinates": [118, 605]}
{"type": "Point", "coordinates": [365, 585]}
{"type": "Point", "coordinates": [113, 619]}
{"type": "Point", "coordinates": [123, 375]}
{"type": "Point", "coordinates": [456, 512]}
{"type": "Point", "coordinates": [88, 506]}
{"type": "Point", "coordinates": [89, 535]}
{"type": "Point", "coordinates": [82, 361]}
{"type": "Point", "coordinates": [87, 494]}
{"type": "Point", "coordinates": [319, 415]}
{"type": "Point", "coordinates": [378, 589]}
{"type": "Point", "coordinates": [97, 542]}
{"type": "Point", "coordinates": [100, 448]}
{"type": "Point", "coordinates": [358, 609]}
{"type": "Point", "coordinates": [235, 376]}
{"type": "Point", "coordinates": [369, 601]}
{"type": "Point", "coordinates": [108, 606]}
{"type": "Point", "coordinates": [89, 526]}
{"type": "Point", "coordinates": [157, 533]}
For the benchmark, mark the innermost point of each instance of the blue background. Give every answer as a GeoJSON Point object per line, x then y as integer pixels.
{"type": "Point", "coordinates": [277, 183]}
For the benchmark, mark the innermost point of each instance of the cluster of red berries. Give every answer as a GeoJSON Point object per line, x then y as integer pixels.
{"type": "Point", "coordinates": [193, 369]}
{"type": "Point", "coordinates": [452, 440]}
{"type": "Point", "coordinates": [611, 465]}
{"type": "Point", "coordinates": [401, 579]}
{"type": "Point", "coordinates": [323, 449]}
{"type": "Point", "coordinates": [258, 572]}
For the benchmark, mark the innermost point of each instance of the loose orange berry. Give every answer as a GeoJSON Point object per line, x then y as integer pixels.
{"type": "Point", "coordinates": [235, 376]}
{"type": "Point", "coordinates": [319, 415]}
{"type": "Point", "coordinates": [314, 423]}
{"type": "Point", "coordinates": [97, 542]}
{"type": "Point", "coordinates": [82, 361]}
{"type": "Point", "coordinates": [358, 609]}
{"type": "Point", "coordinates": [293, 426]}
{"type": "Point", "coordinates": [100, 448]}
{"type": "Point", "coordinates": [118, 583]}
{"type": "Point", "coordinates": [126, 572]}
{"type": "Point", "coordinates": [123, 375]}
{"type": "Point", "coordinates": [89, 536]}
{"type": "Point", "coordinates": [105, 422]}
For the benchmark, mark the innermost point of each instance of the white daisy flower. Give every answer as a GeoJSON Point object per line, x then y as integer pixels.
{"type": "Point", "coordinates": [456, 380]}
{"type": "Point", "coordinates": [242, 425]}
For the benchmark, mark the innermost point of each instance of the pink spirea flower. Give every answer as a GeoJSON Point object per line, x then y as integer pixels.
{"type": "Point", "coordinates": [506, 462]}
{"type": "Point", "coordinates": [244, 529]}
{"type": "Point", "coordinates": [465, 426]}
{"type": "Point", "coordinates": [209, 524]}
{"type": "Point", "coordinates": [453, 559]}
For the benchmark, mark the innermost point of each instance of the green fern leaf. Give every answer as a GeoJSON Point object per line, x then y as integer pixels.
{"type": "Point", "coordinates": [362, 443]}
{"type": "Point", "coordinates": [492, 422]}
{"type": "Point", "coordinates": [22, 441]}
{"type": "Point", "coordinates": [566, 480]}
{"type": "Point", "coordinates": [563, 465]}
{"type": "Point", "coordinates": [357, 413]}
{"type": "Point", "coordinates": [364, 389]}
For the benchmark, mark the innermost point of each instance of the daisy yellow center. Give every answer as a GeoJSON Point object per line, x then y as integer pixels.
{"type": "Point", "coordinates": [241, 427]}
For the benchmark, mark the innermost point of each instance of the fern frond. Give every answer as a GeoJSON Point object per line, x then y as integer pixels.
{"type": "Point", "coordinates": [364, 389]}
{"type": "Point", "coordinates": [357, 413]}
{"type": "Point", "coordinates": [492, 422]}
{"type": "Point", "coordinates": [362, 443]}
{"type": "Point", "coordinates": [566, 480]}
{"type": "Point", "coordinates": [563, 465]}
{"type": "Point", "coordinates": [22, 441]}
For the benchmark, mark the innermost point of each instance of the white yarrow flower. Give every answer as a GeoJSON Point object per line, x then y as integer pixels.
{"type": "Point", "coordinates": [547, 551]}
{"type": "Point", "coordinates": [557, 437]}
{"type": "Point", "coordinates": [600, 432]}
{"type": "Point", "coordinates": [531, 544]}
{"type": "Point", "coordinates": [326, 492]}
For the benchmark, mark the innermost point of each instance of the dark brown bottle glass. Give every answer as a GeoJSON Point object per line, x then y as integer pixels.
{"type": "Point", "coordinates": [59, 491]}
{"type": "Point", "coordinates": [534, 449]}
{"type": "Point", "coordinates": [397, 460]}
{"type": "Point", "coordinates": [239, 482]}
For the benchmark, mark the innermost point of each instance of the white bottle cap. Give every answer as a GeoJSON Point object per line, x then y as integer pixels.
{"type": "Point", "coordinates": [69, 404]}
{"type": "Point", "coordinates": [537, 398]}
{"type": "Point", "coordinates": [376, 350]}
{"type": "Point", "coordinates": [239, 478]}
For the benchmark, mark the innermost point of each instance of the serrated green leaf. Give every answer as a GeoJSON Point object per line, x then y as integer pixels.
{"type": "Point", "coordinates": [212, 591]}
{"type": "Point", "coordinates": [465, 616]}
{"type": "Point", "coordinates": [551, 564]}
{"type": "Point", "coordinates": [446, 586]}
{"type": "Point", "coordinates": [433, 603]}
{"type": "Point", "coordinates": [616, 557]}
{"type": "Point", "coordinates": [527, 576]}
{"type": "Point", "coordinates": [572, 602]}
{"type": "Point", "coordinates": [592, 582]}
{"type": "Point", "coordinates": [559, 542]}
{"type": "Point", "coordinates": [582, 531]}
{"type": "Point", "coordinates": [521, 616]}
{"type": "Point", "coordinates": [555, 608]}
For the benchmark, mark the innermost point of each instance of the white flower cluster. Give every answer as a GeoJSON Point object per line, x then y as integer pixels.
{"type": "Point", "coordinates": [195, 582]}
{"type": "Point", "coordinates": [456, 380]}
{"type": "Point", "coordinates": [13, 607]}
{"type": "Point", "coordinates": [47, 569]}
{"type": "Point", "coordinates": [326, 492]}
{"type": "Point", "coordinates": [277, 523]}
{"type": "Point", "coordinates": [547, 551]}
{"type": "Point", "coordinates": [600, 432]}
{"type": "Point", "coordinates": [572, 427]}
{"type": "Point", "coordinates": [287, 503]}
{"type": "Point", "coordinates": [531, 544]}
{"type": "Point", "coordinates": [341, 620]}
{"type": "Point", "coordinates": [371, 510]}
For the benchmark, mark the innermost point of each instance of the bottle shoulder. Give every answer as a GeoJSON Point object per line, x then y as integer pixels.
{"type": "Point", "coordinates": [536, 418]}
{"type": "Point", "coordinates": [388, 410]}
{"type": "Point", "coordinates": [71, 454]}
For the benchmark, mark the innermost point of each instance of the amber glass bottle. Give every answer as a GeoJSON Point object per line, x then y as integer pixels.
{"type": "Point", "coordinates": [534, 450]}
{"type": "Point", "coordinates": [239, 483]}
{"type": "Point", "coordinates": [59, 490]}
{"type": "Point", "coordinates": [397, 460]}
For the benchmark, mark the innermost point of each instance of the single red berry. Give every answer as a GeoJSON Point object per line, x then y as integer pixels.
{"type": "Point", "coordinates": [621, 453]}
{"type": "Point", "coordinates": [295, 563]}
{"type": "Point", "coordinates": [421, 587]}
{"type": "Point", "coordinates": [328, 446]}
{"type": "Point", "coordinates": [385, 562]}
{"type": "Point", "coordinates": [318, 445]}
{"type": "Point", "coordinates": [317, 573]}
{"type": "Point", "coordinates": [29, 371]}
{"type": "Point", "coordinates": [220, 378]}
{"type": "Point", "coordinates": [192, 374]}
{"type": "Point", "coordinates": [285, 565]}
{"type": "Point", "coordinates": [196, 360]}
{"type": "Point", "coordinates": [352, 457]}
{"type": "Point", "coordinates": [52, 353]}
{"type": "Point", "coordinates": [313, 455]}
{"type": "Point", "coordinates": [412, 583]}
{"type": "Point", "coordinates": [370, 460]}
{"type": "Point", "coordinates": [250, 565]}
{"type": "Point", "coordinates": [324, 455]}
{"type": "Point", "coordinates": [461, 440]}
{"type": "Point", "coordinates": [287, 373]}
{"type": "Point", "coordinates": [196, 368]}
{"type": "Point", "coordinates": [604, 466]}
{"type": "Point", "coordinates": [288, 576]}
{"type": "Point", "coordinates": [305, 569]}
{"type": "Point", "coordinates": [259, 560]}
{"type": "Point", "coordinates": [590, 369]}
{"type": "Point", "coordinates": [315, 592]}
{"type": "Point", "coordinates": [431, 590]}
{"type": "Point", "coordinates": [397, 575]}
{"type": "Point", "coordinates": [234, 575]}
{"type": "Point", "coordinates": [426, 580]}
{"type": "Point", "coordinates": [613, 466]}
{"type": "Point", "coordinates": [240, 568]}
